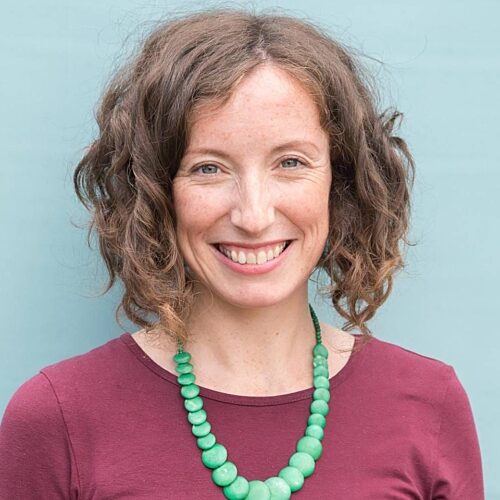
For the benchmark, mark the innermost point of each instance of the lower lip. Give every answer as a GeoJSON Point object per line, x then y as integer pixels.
{"type": "Point", "coordinates": [251, 269]}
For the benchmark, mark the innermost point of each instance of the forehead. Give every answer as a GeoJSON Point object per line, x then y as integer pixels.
{"type": "Point", "coordinates": [267, 102]}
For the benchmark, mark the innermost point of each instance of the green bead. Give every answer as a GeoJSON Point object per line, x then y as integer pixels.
{"type": "Point", "coordinates": [225, 474]}
{"type": "Point", "coordinates": [182, 357]}
{"type": "Point", "coordinates": [214, 457]}
{"type": "Point", "coordinates": [319, 406]}
{"type": "Point", "coordinates": [258, 490]}
{"type": "Point", "coordinates": [279, 488]}
{"type": "Point", "coordinates": [316, 418]}
{"type": "Point", "coordinates": [193, 404]}
{"type": "Point", "coordinates": [190, 391]}
{"type": "Point", "coordinates": [206, 442]}
{"type": "Point", "coordinates": [311, 445]}
{"type": "Point", "coordinates": [304, 462]}
{"type": "Point", "coordinates": [292, 476]}
{"type": "Point", "coordinates": [184, 368]}
{"type": "Point", "coordinates": [237, 490]}
{"type": "Point", "coordinates": [202, 429]}
{"type": "Point", "coordinates": [186, 378]}
{"type": "Point", "coordinates": [321, 382]}
{"type": "Point", "coordinates": [322, 393]}
{"type": "Point", "coordinates": [320, 350]}
{"type": "Point", "coordinates": [197, 417]}
{"type": "Point", "coordinates": [320, 361]}
{"type": "Point", "coordinates": [315, 431]}
{"type": "Point", "coordinates": [321, 371]}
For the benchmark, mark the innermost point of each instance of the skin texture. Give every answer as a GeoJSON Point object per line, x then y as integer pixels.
{"type": "Point", "coordinates": [253, 335]}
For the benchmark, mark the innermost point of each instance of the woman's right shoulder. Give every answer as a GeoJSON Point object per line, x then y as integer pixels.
{"type": "Point", "coordinates": [32, 393]}
{"type": "Point", "coordinates": [32, 410]}
{"type": "Point", "coordinates": [40, 393]}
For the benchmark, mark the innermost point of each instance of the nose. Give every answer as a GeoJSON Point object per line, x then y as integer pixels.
{"type": "Point", "coordinates": [253, 209]}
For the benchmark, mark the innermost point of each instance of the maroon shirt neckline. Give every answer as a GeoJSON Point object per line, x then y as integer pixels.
{"type": "Point", "coordinates": [354, 360]}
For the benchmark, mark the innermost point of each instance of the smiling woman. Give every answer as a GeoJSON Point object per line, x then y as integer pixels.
{"type": "Point", "coordinates": [251, 205]}
{"type": "Point", "coordinates": [238, 153]}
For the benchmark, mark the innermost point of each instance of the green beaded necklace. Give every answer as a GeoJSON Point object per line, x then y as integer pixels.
{"type": "Point", "coordinates": [214, 455]}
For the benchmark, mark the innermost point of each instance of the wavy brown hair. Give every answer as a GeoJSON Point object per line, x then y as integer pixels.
{"type": "Point", "coordinates": [125, 176]}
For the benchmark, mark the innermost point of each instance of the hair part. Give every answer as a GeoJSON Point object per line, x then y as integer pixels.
{"type": "Point", "coordinates": [144, 117]}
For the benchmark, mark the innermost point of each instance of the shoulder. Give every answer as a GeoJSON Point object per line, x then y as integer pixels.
{"type": "Point", "coordinates": [32, 413]}
{"type": "Point", "coordinates": [57, 385]}
{"type": "Point", "coordinates": [402, 359]}
{"type": "Point", "coordinates": [33, 399]}
{"type": "Point", "coordinates": [385, 354]}
{"type": "Point", "coordinates": [405, 372]}
{"type": "Point", "coordinates": [97, 363]}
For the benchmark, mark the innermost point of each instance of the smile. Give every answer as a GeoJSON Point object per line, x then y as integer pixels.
{"type": "Point", "coordinates": [257, 256]}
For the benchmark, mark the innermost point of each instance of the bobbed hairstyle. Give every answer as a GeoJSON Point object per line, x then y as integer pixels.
{"type": "Point", "coordinates": [125, 176]}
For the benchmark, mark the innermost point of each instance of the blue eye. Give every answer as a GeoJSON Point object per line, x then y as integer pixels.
{"type": "Point", "coordinates": [292, 160]}
{"type": "Point", "coordinates": [212, 168]}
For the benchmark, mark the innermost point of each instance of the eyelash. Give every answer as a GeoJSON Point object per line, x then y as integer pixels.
{"type": "Point", "coordinates": [196, 169]}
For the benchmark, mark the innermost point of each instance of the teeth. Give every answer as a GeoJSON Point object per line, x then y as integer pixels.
{"type": "Point", "coordinates": [242, 258]}
{"type": "Point", "coordinates": [250, 257]}
{"type": "Point", "coordinates": [261, 257]}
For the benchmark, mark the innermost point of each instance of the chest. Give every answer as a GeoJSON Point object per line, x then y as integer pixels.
{"type": "Point", "coordinates": [145, 457]}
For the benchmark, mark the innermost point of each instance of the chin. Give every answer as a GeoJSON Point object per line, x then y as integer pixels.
{"type": "Point", "coordinates": [258, 298]}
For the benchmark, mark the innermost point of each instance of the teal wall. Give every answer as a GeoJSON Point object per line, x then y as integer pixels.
{"type": "Point", "coordinates": [441, 68]}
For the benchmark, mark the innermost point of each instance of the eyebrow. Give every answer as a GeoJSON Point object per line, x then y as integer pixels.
{"type": "Point", "coordinates": [276, 149]}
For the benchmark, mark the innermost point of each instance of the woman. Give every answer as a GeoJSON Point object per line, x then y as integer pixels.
{"type": "Point", "coordinates": [237, 154]}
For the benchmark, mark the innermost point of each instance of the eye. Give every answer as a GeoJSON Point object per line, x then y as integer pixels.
{"type": "Point", "coordinates": [207, 168]}
{"type": "Point", "coordinates": [292, 162]}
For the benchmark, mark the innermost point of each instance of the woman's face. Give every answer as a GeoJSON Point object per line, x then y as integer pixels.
{"type": "Point", "coordinates": [255, 176]}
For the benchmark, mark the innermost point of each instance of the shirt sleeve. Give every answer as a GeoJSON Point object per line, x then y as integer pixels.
{"type": "Point", "coordinates": [458, 471]}
{"type": "Point", "coordinates": [35, 453]}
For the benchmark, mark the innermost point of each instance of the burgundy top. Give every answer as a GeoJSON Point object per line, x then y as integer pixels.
{"type": "Point", "coordinates": [110, 424]}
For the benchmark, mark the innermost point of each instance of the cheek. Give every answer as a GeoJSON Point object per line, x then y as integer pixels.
{"type": "Point", "coordinates": [309, 206]}
{"type": "Point", "coordinates": [195, 210]}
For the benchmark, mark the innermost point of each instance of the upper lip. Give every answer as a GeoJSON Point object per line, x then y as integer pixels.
{"type": "Point", "coordinates": [251, 245]}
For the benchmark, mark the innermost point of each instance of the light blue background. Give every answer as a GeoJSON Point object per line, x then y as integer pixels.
{"type": "Point", "coordinates": [441, 68]}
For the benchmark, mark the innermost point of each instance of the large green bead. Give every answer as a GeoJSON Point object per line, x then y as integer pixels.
{"type": "Point", "coordinates": [279, 488]}
{"type": "Point", "coordinates": [258, 490]}
{"type": "Point", "coordinates": [225, 474]}
{"type": "Point", "coordinates": [186, 378]}
{"type": "Point", "coordinates": [292, 476]}
{"type": "Point", "coordinates": [311, 445]}
{"type": "Point", "coordinates": [320, 350]}
{"type": "Point", "coordinates": [315, 431]}
{"type": "Point", "coordinates": [321, 382]}
{"type": "Point", "coordinates": [182, 357]}
{"type": "Point", "coordinates": [320, 361]}
{"type": "Point", "coordinates": [320, 371]}
{"type": "Point", "coordinates": [190, 391]}
{"type": "Point", "coordinates": [322, 393]}
{"type": "Point", "coordinates": [214, 457]}
{"type": "Point", "coordinates": [193, 404]}
{"type": "Point", "coordinates": [202, 429]}
{"type": "Point", "coordinates": [237, 490]}
{"type": "Point", "coordinates": [206, 442]}
{"type": "Point", "coordinates": [184, 368]}
{"type": "Point", "coordinates": [319, 406]}
{"type": "Point", "coordinates": [304, 462]}
{"type": "Point", "coordinates": [197, 417]}
{"type": "Point", "coordinates": [316, 418]}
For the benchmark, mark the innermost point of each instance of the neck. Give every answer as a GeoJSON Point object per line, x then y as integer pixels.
{"type": "Point", "coordinates": [267, 350]}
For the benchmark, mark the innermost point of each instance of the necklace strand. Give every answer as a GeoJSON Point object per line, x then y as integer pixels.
{"type": "Point", "coordinates": [214, 455]}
